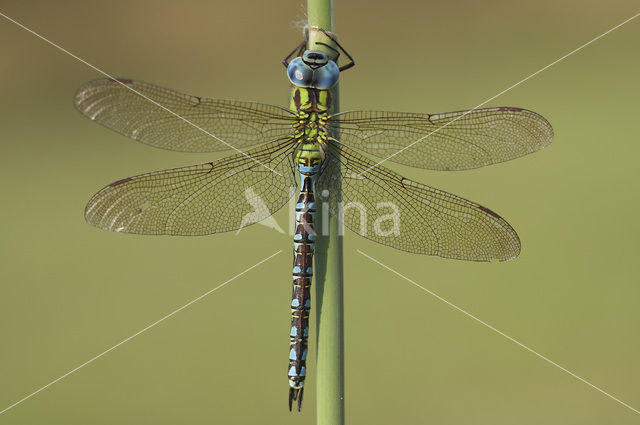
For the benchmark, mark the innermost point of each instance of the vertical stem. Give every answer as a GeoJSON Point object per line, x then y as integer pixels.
{"type": "Point", "coordinates": [328, 268]}
{"type": "Point", "coordinates": [320, 14]}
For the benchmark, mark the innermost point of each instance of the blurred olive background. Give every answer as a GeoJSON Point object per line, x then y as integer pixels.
{"type": "Point", "coordinates": [70, 291]}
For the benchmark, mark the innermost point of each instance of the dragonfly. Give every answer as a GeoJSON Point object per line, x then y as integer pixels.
{"type": "Point", "coordinates": [309, 150]}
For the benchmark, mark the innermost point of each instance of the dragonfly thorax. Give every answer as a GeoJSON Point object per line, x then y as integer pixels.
{"type": "Point", "coordinates": [311, 109]}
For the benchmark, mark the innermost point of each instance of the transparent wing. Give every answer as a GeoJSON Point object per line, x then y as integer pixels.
{"type": "Point", "coordinates": [389, 209]}
{"type": "Point", "coordinates": [240, 124]}
{"type": "Point", "coordinates": [450, 141]}
{"type": "Point", "coordinates": [218, 196]}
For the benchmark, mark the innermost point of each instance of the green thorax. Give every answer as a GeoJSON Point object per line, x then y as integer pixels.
{"type": "Point", "coordinates": [311, 108]}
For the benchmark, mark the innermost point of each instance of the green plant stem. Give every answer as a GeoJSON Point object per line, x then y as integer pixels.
{"type": "Point", "coordinates": [328, 268]}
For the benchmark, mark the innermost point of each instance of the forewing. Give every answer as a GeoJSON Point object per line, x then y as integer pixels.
{"type": "Point", "coordinates": [389, 209]}
{"type": "Point", "coordinates": [218, 196]}
{"type": "Point", "coordinates": [459, 140]}
{"type": "Point", "coordinates": [167, 119]}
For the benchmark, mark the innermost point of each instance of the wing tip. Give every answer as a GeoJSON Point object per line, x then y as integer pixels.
{"type": "Point", "coordinates": [85, 90]}
{"type": "Point", "coordinates": [511, 255]}
{"type": "Point", "coordinates": [544, 127]}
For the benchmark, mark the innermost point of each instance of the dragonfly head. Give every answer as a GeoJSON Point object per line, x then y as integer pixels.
{"type": "Point", "coordinates": [313, 69]}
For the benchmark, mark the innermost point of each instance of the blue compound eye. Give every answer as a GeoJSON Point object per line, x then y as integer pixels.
{"type": "Point", "coordinates": [326, 76]}
{"type": "Point", "coordinates": [313, 69]}
{"type": "Point", "coordinates": [299, 73]}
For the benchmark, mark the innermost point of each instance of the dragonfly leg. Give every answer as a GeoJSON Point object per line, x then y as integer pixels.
{"type": "Point", "coordinates": [299, 49]}
{"type": "Point", "coordinates": [351, 61]}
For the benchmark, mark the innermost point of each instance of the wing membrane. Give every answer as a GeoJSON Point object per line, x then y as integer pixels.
{"type": "Point", "coordinates": [459, 140]}
{"type": "Point", "coordinates": [218, 196]}
{"type": "Point", "coordinates": [239, 124]}
{"type": "Point", "coordinates": [429, 221]}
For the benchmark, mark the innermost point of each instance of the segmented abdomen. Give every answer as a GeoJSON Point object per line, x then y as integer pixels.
{"type": "Point", "coordinates": [303, 243]}
{"type": "Point", "coordinates": [311, 107]}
